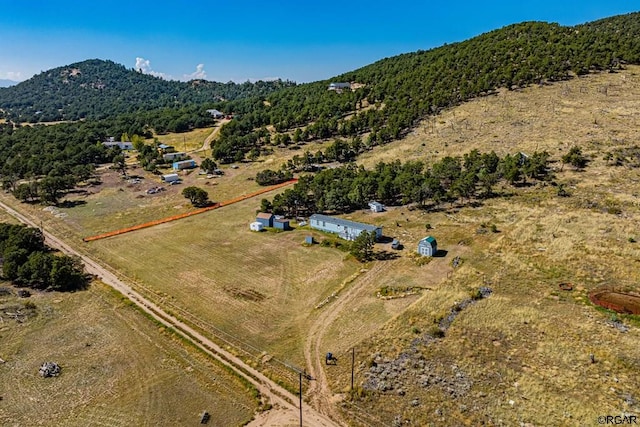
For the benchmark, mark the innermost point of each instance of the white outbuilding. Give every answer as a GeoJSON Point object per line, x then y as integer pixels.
{"type": "Point", "coordinates": [256, 226]}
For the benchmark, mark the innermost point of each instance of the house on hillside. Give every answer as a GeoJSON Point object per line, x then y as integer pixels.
{"type": "Point", "coordinates": [376, 207]}
{"type": "Point", "coordinates": [123, 145]}
{"type": "Point", "coordinates": [344, 228]}
{"type": "Point", "coordinates": [216, 114]}
{"type": "Point", "coordinates": [339, 86]}
{"type": "Point", "coordinates": [170, 157]}
{"type": "Point", "coordinates": [428, 246]}
{"type": "Point", "coordinates": [265, 218]}
{"type": "Point", "coordinates": [184, 164]}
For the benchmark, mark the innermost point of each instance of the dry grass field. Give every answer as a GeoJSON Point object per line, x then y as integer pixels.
{"type": "Point", "coordinates": [118, 368]}
{"type": "Point", "coordinates": [258, 287]}
{"type": "Point", "coordinates": [518, 357]}
{"type": "Point", "coordinates": [522, 355]}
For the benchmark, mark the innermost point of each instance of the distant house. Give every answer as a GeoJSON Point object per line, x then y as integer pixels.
{"type": "Point", "coordinates": [171, 177]}
{"type": "Point", "coordinates": [256, 226]}
{"type": "Point", "coordinates": [281, 224]}
{"type": "Point", "coordinates": [338, 86]}
{"type": "Point", "coordinates": [427, 246]}
{"type": "Point", "coordinates": [123, 145]}
{"type": "Point", "coordinates": [376, 207]}
{"type": "Point", "coordinates": [266, 219]}
{"type": "Point", "coordinates": [174, 156]}
{"type": "Point", "coordinates": [164, 148]}
{"type": "Point", "coordinates": [216, 114]}
{"type": "Point", "coordinates": [184, 164]}
{"type": "Point", "coordinates": [344, 228]}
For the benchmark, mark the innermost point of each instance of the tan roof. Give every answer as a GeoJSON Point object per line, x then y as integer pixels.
{"type": "Point", "coordinates": [264, 215]}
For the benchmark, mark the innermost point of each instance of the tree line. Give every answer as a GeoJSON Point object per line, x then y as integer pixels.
{"type": "Point", "coordinates": [28, 262]}
{"type": "Point", "coordinates": [452, 179]}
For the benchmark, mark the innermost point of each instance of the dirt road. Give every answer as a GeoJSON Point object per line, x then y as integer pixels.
{"type": "Point", "coordinates": [285, 411]}
{"type": "Point", "coordinates": [313, 351]}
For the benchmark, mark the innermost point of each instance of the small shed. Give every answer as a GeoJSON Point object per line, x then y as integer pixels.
{"type": "Point", "coordinates": [281, 224]}
{"type": "Point", "coordinates": [428, 246]}
{"type": "Point", "coordinates": [256, 226]}
{"type": "Point", "coordinates": [171, 177]}
{"type": "Point", "coordinates": [184, 164]}
{"type": "Point", "coordinates": [376, 207]}
{"type": "Point", "coordinates": [265, 218]}
{"type": "Point", "coordinates": [308, 240]}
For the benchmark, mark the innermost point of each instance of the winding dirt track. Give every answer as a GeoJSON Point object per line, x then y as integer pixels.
{"type": "Point", "coordinates": [285, 411]}
{"type": "Point", "coordinates": [319, 390]}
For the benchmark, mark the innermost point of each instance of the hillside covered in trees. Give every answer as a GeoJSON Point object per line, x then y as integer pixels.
{"type": "Point", "coordinates": [394, 94]}
{"type": "Point", "coordinates": [96, 89]}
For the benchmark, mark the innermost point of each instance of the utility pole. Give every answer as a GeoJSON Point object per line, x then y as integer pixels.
{"type": "Point", "coordinates": [301, 373]}
{"type": "Point", "coordinates": [353, 362]}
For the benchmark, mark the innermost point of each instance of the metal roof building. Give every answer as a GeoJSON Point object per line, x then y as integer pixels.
{"type": "Point", "coordinates": [344, 228]}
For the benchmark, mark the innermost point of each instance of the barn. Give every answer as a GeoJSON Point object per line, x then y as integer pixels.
{"type": "Point", "coordinates": [428, 246]}
{"type": "Point", "coordinates": [266, 219]}
{"type": "Point", "coordinates": [344, 228]}
{"type": "Point", "coordinates": [184, 164]}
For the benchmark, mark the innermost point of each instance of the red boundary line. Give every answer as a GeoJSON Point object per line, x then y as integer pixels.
{"type": "Point", "coordinates": [187, 214]}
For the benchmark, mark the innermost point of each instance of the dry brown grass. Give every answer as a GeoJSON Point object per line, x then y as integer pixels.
{"type": "Point", "coordinates": [528, 343]}
{"type": "Point", "coordinates": [526, 348]}
{"type": "Point", "coordinates": [118, 368]}
{"type": "Point", "coordinates": [259, 287]}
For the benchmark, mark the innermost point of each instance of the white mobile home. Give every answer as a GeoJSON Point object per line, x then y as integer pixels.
{"type": "Point", "coordinates": [344, 228]}
{"type": "Point", "coordinates": [171, 177]}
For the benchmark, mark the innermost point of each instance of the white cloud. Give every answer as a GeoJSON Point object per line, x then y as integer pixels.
{"type": "Point", "coordinates": [144, 66]}
{"type": "Point", "coordinates": [200, 73]}
{"type": "Point", "coordinates": [16, 76]}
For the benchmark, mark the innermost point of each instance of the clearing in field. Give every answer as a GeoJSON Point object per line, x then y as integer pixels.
{"type": "Point", "coordinates": [118, 368]}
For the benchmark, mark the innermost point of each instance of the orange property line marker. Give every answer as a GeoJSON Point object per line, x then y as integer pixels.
{"type": "Point", "coordinates": [187, 214]}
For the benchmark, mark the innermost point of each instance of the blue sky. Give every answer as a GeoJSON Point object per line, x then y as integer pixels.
{"type": "Point", "coordinates": [239, 40]}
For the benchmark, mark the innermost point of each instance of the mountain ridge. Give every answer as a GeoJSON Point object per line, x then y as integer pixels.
{"type": "Point", "coordinates": [97, 89]}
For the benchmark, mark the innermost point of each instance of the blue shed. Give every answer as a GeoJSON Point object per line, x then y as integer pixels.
{"type": "Point", "coordinates": [344, 228]}
{"type": "Point", "coordinates": [427, 246]}
{"type": "Point", "coordinates": [281, 224]}
{"type": "Point", "coordinates": [265, 218]}
{"type": "Point", "coordinates": [308, 240]}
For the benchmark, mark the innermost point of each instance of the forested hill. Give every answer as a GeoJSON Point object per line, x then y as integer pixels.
{"type": "Point", "coordinates": [96, 89]}
{"type": "Point", "coordinates": [395, 93]}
